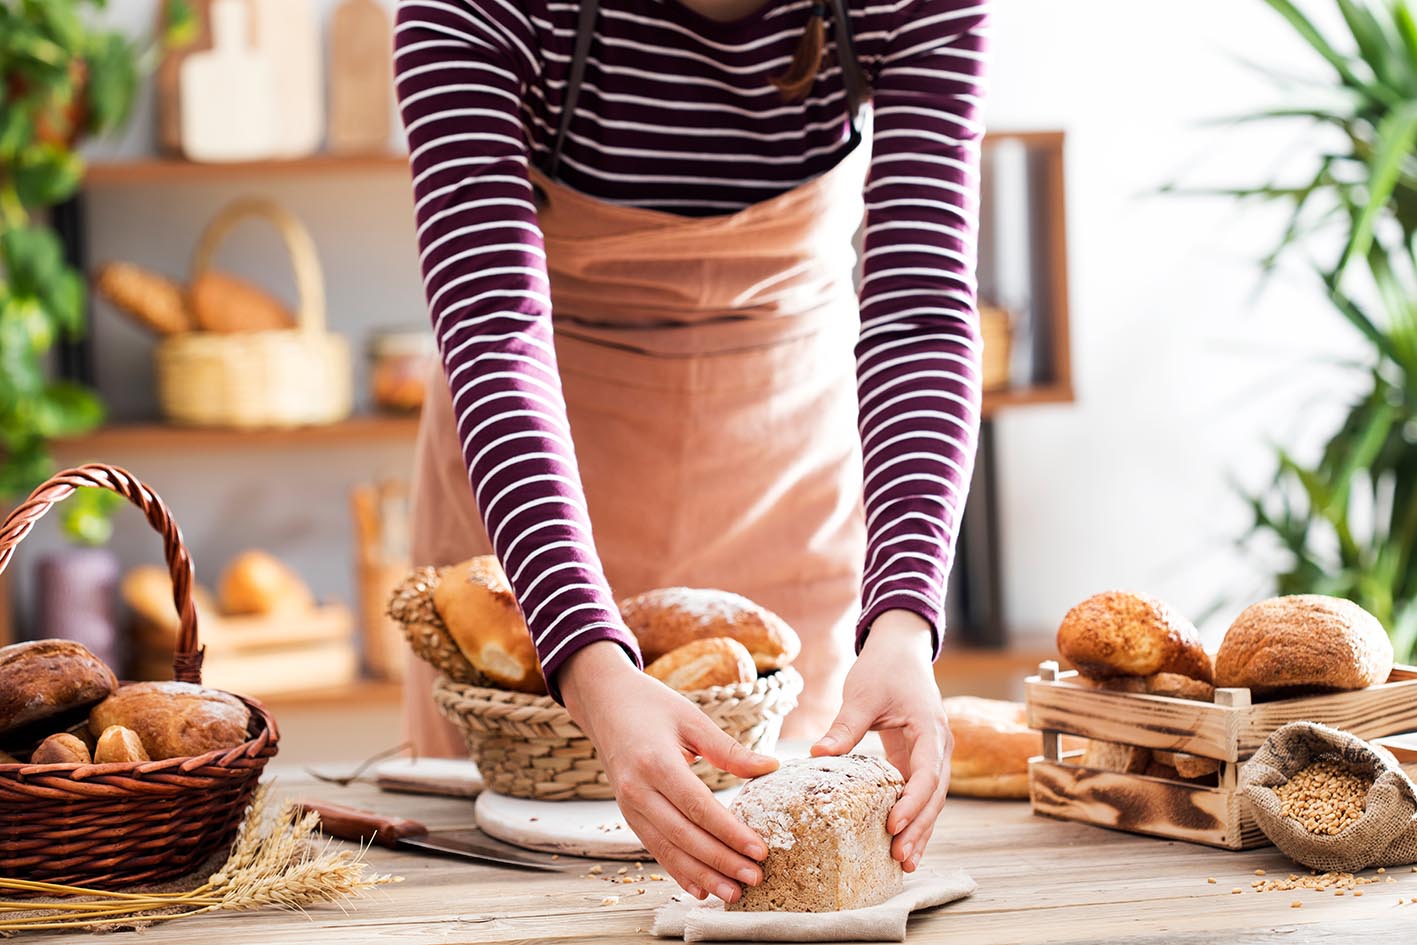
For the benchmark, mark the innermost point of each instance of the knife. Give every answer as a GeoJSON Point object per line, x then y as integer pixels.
{"type": "Point", "coordinates": [399, 833]}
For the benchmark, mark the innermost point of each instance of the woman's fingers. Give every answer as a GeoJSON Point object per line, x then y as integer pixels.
{"type": "Point", "coordinates": [927, 757]}
{"type": "Point", "coordinates": [916, 837]}
{"type": "Point", "coordinates": [692, 798]}
{"type": "Point", "coordinates": [845, 733]}
{"type": "Point", "coordinates": [719, 749]}
{"type": "Point", "coordinates": [697, 861]}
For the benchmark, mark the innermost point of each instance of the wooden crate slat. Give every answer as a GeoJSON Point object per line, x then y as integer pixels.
{"type": "Point", "coordinates": [1197, 728]}
{"type": "Point", "coordinates": [1367, 713]}
{"type": "Point", "coordinates": [1139, 804]}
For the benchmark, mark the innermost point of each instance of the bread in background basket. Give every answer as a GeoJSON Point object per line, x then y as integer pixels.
{"type": "Point", "coordinates": [463, 620]}
{"type": "Point", "coordinates": [270, 634]}
{"type": "Point", "coordinates": [127, 821]}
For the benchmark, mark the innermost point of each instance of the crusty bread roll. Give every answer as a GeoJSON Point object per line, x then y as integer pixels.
{"type": "Point", "coordinates": [61, 749]}
{"type": "Point", "coordinates": [1158, 684]}
{"type": "Point", "coordinates": [1302, 643]}
{"type": "Point", "coordinates": [222, 302]}
{"type": "Point", "coordinates": [1110, 756]}
{"type": "Point", "coordinates": [44, 679]}
{"type": "Point", "coordinates": [992, 745]}
{"type": "Point", "coordinates": [147, 589]}
{"type": "Point", "coordinates": [665, 619]}
{"type": "Point", "coordinates": [119, 744]}
{"type": "Point", "coordinates": [411, 607]}
{"type": "Point", "coordinates": [480, 611]}
{"type": "Point", "coordinates": [1117, 633]}
{"type": "Point", "coordinates": [259, 583]}
{"type": "Point", "coordinates": [1187, 766]}
{"type": "Point", "coordinates": [712, 661]}
{"type": "Point", "coordinates": [173, 719]}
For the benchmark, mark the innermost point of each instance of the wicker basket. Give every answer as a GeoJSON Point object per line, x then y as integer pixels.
{"type": "Point", "coordinates": [117, 825]}
{"type": "Point", "coordinates": [995, 331]}
{"type": "Point", "coordinates": [528, 746]}
{"type": "Point", "coordinates": [261, 378]}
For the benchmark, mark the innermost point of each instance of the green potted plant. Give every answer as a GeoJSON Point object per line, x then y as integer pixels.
{"type": "Point", "coordinates": [1345, 522]}
{"type": "Point", "coordinates": [62, 78]}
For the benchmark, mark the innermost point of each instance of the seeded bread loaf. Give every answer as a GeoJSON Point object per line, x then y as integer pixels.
{"type": "Point", "coordinates": [477, 605]}
{"type": "Point", "coordinates": [824, 823]}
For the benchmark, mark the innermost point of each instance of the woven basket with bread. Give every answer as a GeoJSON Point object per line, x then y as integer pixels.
{"type": "Point", "coordinates": [727, 655]}
{"type": "Point", "coordinates": [107, 785]}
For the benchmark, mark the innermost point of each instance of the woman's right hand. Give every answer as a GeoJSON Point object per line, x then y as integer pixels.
{"type": "Point", "coordinates": [647, 735]}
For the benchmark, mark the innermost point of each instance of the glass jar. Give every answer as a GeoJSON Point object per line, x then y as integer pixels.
{"type": "Point", "coordinates": [399, 362]}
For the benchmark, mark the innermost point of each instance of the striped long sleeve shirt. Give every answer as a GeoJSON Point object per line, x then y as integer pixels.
{"type": "Point", "coordinates": [677, 113]}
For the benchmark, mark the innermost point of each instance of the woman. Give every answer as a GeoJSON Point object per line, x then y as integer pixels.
{"type": "Point", "coordinates": [680, 182]}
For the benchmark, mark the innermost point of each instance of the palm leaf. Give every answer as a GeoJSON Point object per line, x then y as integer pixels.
{"type": "Point", "coordinates": [1397, 133]}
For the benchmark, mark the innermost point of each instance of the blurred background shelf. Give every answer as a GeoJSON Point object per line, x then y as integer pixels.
{"type": "Point", "coordinates": [171, 170]}
{"type": "Point", "coordinates": [368, 428]}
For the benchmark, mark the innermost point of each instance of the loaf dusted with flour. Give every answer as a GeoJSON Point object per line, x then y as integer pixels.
{"type": "Point", "coordinates": [824, 823]}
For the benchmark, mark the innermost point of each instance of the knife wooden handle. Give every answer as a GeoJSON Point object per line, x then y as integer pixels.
{"type": "Point", "coordinates": [349, 823]}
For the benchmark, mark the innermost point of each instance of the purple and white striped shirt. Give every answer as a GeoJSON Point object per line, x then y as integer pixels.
{"type": "Point", "coordinates": [677, 114]}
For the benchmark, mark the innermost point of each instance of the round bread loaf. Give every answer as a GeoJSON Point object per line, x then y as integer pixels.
{"type": "Point", "coordinates": [664, 620]}
{"type": "Point", "coordinates": [259, 583]}
{"type": "Point", "coordinates": [61, 749]}
{"type": "Point", "coordinates": [1117, 633]}
{"type": "Point", "coordinates": [480, 611]}
{"type": "Point", "coordinates": [173, 719]}
{"type": "Point", "coordinates": [118, 744]}
{"type": "Point", "coordinates": [992, 745]}
{"type": "Point", "coordinates": [1304, 642]}
{"type": "Point", "coordinates": [44, 679]}
{"type": "Point", "coordinates": [712, 661]}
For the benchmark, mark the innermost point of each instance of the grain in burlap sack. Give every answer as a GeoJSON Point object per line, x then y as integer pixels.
{"type": "Point", "coordinates": [1385, 834]}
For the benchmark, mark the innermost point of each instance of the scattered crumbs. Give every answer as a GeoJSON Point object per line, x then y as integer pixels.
{"type": "Point", "coordinates": [656, 877]}
{"type": "Point", "coordinates": [1236, 891]}
{"type": "Point", "coordinates": [640, 891]}
{"type": "Point", "coordinates": [1382, 869]}
{"type": "Point", "coordinates": [622, 870]}
{"type": "Point", "coordinates": [1296, 904]}
{"type": "Point", "coordinates": [626, 880]}
{"type": "Point", "coordinates": [555, 856]}
{"type": "Point", "coordinates": [1210, 879]}
{"type": "Point", "coordinates": [1357, 892]}
{"type": "Point", "coordinates": [640, 866]}
{"type": "Point", "coordinates": [1338, 892]}
{"type": "Point", "coordinates": [594, 870]}
{"type": "Point", "coordinates": [609, 900]}
{"type": "Point", "coordinates": [1259, 872]}
{"type": "Point", "coordinates": [639, 877]}
{"type": "Point", "coordinates": [533, 819]}
{"type": "Point", "coordinates": [1341, 883]}
{"type": "Point", "coordinates": [1391, 880]}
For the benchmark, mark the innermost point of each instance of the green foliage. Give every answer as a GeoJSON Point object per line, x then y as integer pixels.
{"type": "Point", "coordinates": [61, 78]}
{"type": "Point", "coordinates": [1347, 523]}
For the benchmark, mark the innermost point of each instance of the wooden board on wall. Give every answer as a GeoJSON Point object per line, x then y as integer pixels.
{"type": "Point", "coordinates": [167, 80]}
{"type": "Point", "coordinates": [361, 79]}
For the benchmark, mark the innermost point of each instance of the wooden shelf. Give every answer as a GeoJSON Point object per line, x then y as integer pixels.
{"type": "Point", "coordinates": [371, 428]}
{"type": "Point", "coordinates": [362, 692]}
{"type": "Point", "coordinates": [997, 400]}
{"type": "Point", "coordinates": [170, 170]}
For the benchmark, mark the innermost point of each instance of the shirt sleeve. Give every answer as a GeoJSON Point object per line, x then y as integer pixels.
{"type": "Point", "coordinates": [461, 69]}
{"type": "Point", "coordinates": [918, 352]}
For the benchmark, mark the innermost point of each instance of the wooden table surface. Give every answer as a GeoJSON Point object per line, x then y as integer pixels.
{"type": "Point", "coordinates": [1039, 881]}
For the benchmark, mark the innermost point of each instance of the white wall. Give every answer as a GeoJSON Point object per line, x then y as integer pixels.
{"type": "Point", "coordinates": [1182, 374]}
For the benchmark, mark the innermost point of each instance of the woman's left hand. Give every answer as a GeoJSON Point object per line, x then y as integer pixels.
{"type": "Point", "coordinates": [891, 690]}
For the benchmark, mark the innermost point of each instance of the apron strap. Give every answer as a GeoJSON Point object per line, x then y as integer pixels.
{"type": "Point", "coordinates": [585, 32]}
{"type": "Point", "coordinates": [858, 90]}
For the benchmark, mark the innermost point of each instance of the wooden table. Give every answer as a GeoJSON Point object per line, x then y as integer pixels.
{"type": "Point", "coordinates": [1039, 881]}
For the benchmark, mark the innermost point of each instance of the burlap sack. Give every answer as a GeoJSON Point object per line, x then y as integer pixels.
{"type": "Point", "coordinates": [1386, 834]}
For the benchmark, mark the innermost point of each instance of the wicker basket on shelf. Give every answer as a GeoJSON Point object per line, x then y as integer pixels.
{"type": "Point", "coordinates": [528, 746]}
{"type": "Point", "coordinates": [127, 823]}
{"type": "Point", "coordinates": [279, 378]}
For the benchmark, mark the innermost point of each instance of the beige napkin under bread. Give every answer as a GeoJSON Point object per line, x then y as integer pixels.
{"type": "Point", "coordinates": [708, 922]}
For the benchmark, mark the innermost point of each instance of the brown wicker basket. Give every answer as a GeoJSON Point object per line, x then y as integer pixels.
{"type": "Point", "coordinates": [278, 378]}
{"type": "Point", "coordinates": [528, 746]}
{"type": "Point", "coordinates": [116, 825]}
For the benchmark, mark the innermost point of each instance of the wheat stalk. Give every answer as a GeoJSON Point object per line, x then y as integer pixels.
{"type": "Point", "coordinates": [275, 861]}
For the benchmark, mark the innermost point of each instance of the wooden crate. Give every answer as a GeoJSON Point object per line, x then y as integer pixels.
{"type": "Point", "coordinates": [1229, 730]}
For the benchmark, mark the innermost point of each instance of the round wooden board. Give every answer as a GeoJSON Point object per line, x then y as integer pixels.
{"type": "Point", "coordinates": [593, 829]}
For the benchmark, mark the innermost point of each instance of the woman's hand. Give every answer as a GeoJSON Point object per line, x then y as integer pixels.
{"type": "Point", "coordinates": [647, 736]}
{"type": "Point", "coordinates": [891, 690]}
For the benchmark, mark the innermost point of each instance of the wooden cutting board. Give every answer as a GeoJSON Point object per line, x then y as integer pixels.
{"type": "Point", "coordinates": [444, 777]}
{"type": "Point", "coordinates": [594, 829]}
{"type": "Point", "coordinates": [287, 34]}
{"type": "Point", "coordinates": [167, 80]}
{"type": "Point", "coordinates": [226, 94]}
{"type": "Point", "coordinates": [361, 79]}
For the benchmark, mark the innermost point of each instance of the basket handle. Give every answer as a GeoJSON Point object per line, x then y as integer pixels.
{"type": "Point", "coordinates": [187, 658]}
{"type": "Point", "coordinates": [304, 260]}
